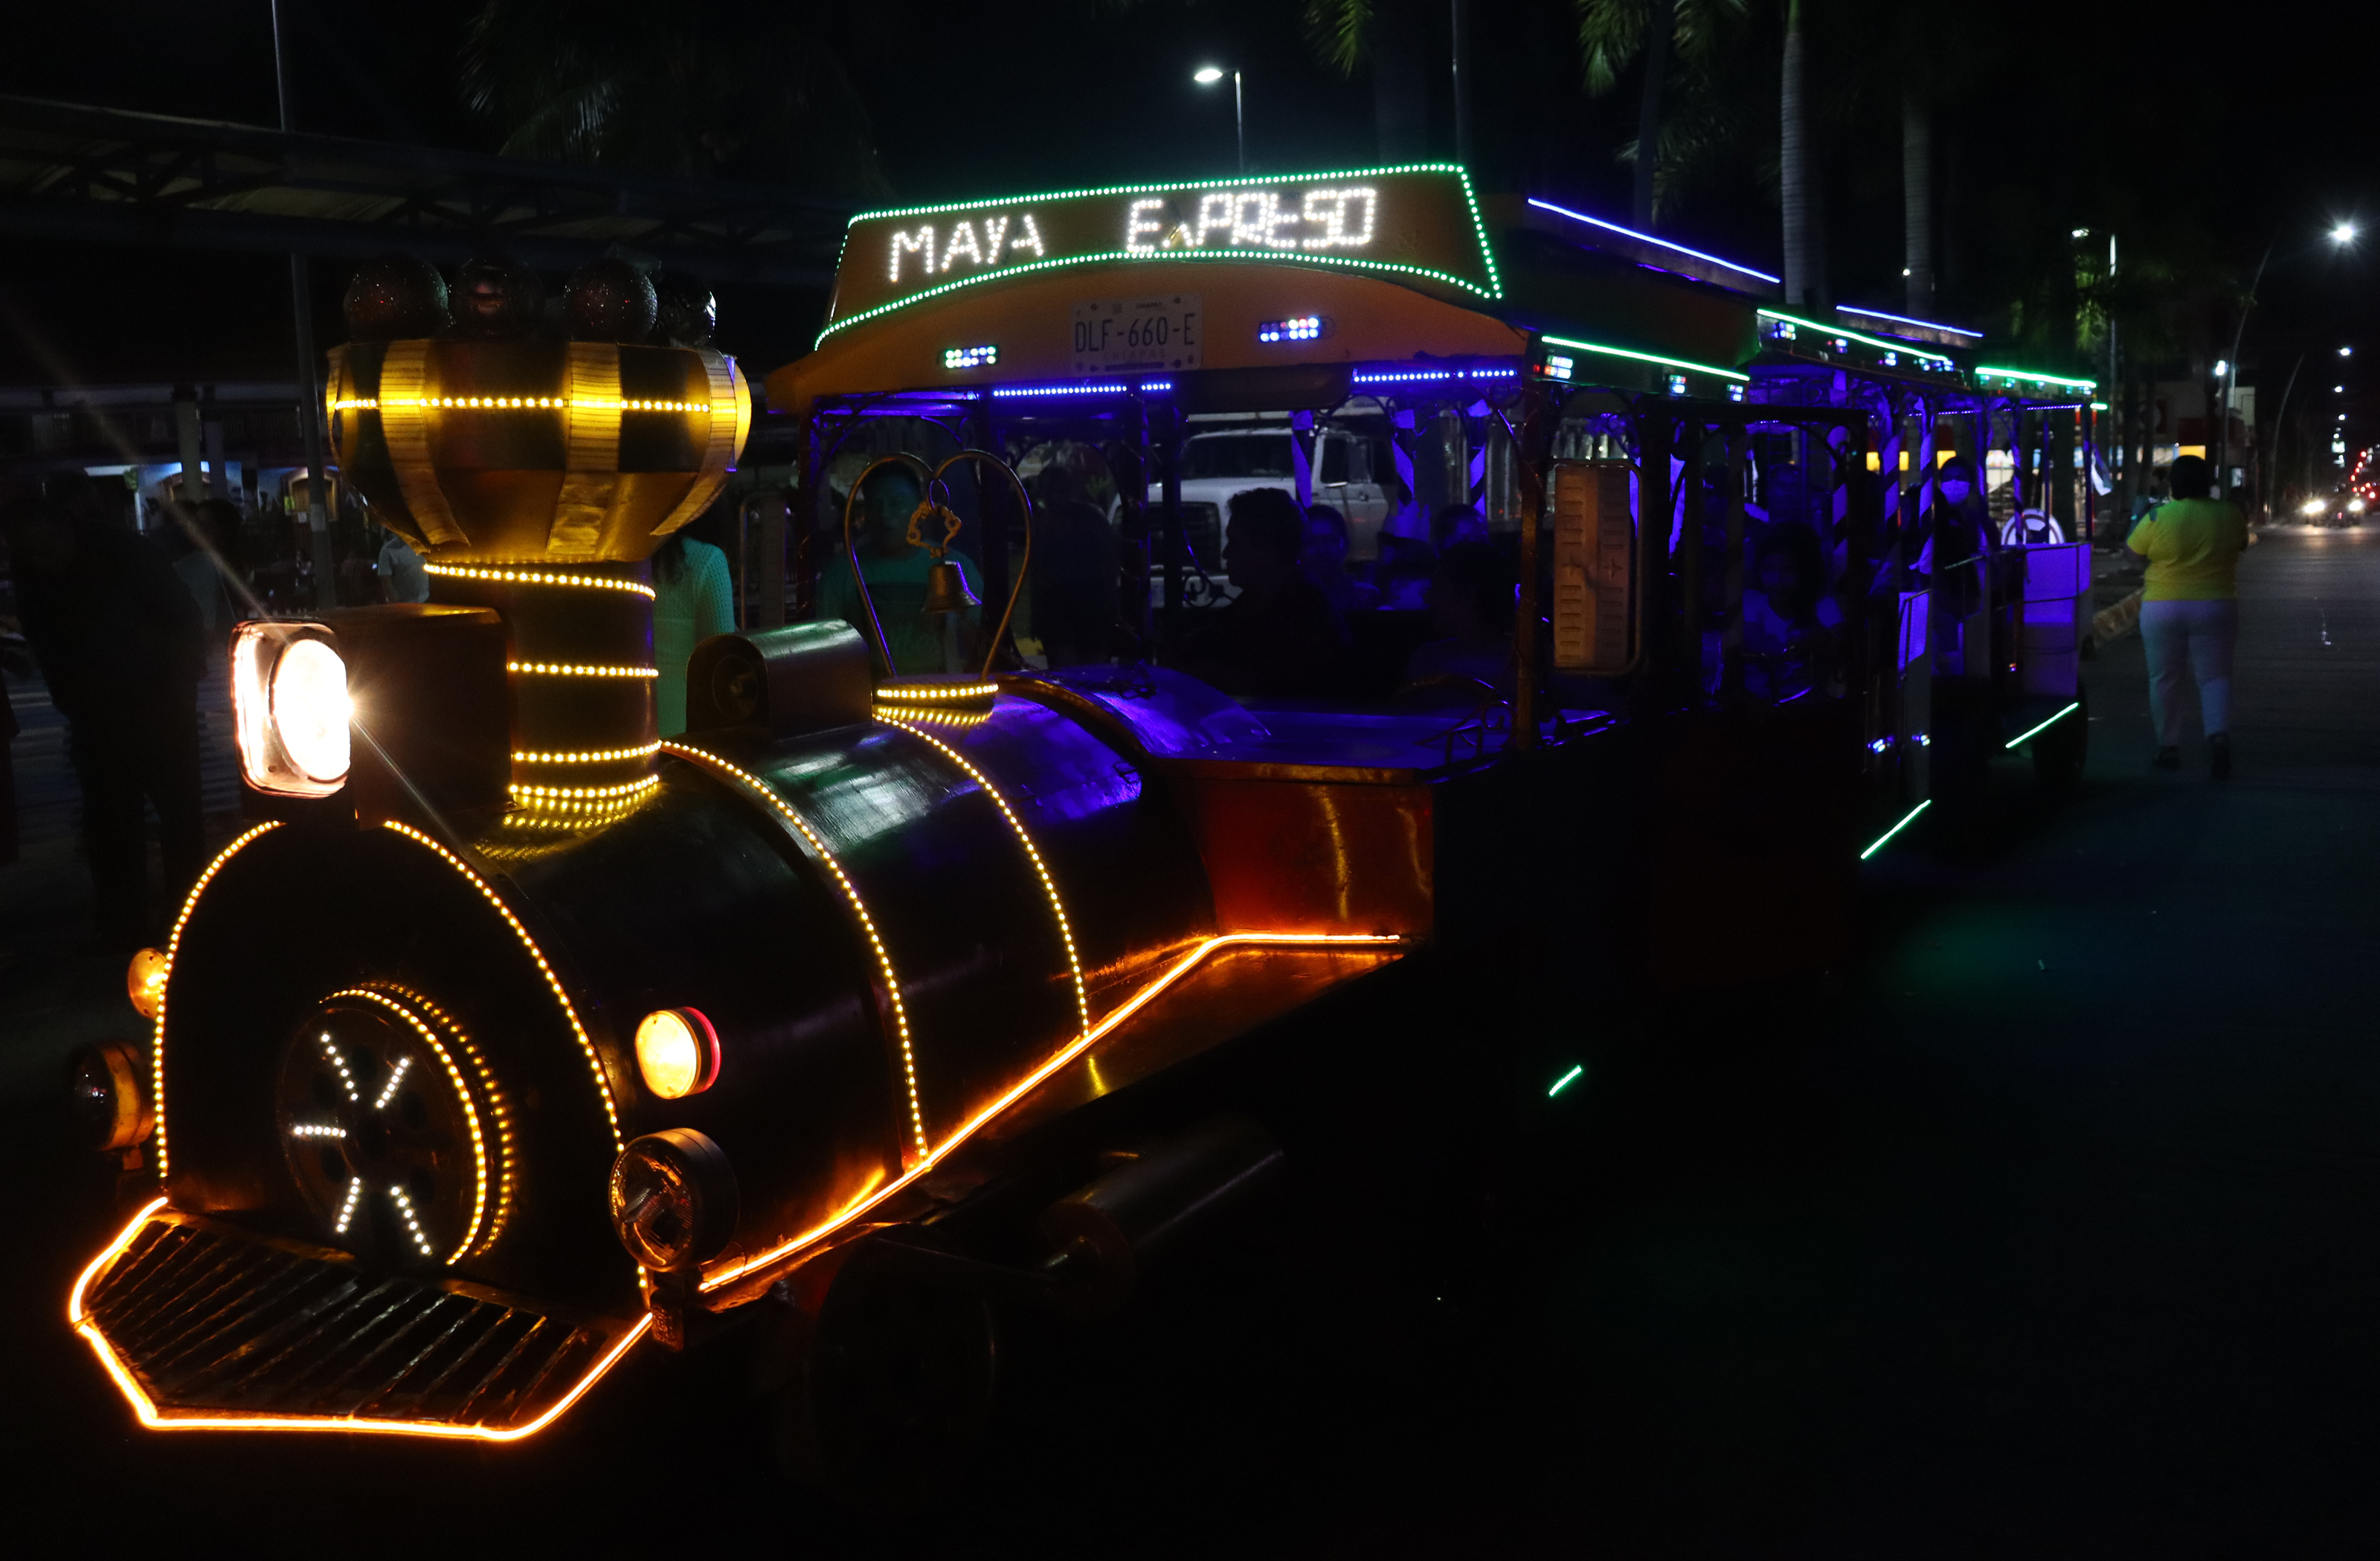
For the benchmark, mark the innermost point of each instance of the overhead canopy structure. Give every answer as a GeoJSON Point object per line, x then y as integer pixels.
{"type": "Point", "coordinates": [1241, 283]}
{"type": "Point", "coordinates": [1214, 290]}
{"type": "Point", "coordinates": [68, 171]}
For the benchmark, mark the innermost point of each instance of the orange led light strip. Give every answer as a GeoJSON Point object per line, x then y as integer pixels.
{"type": "Point", "coordinates": [590, 793]}
{"type": "Point", "coordinates": [564, 669]}
{"type": "Point", "coordinates": [471, 1113]}
{"type": "Point", "coordinates": [926, 692]}
{"type": "Point", "coordinates": [768, 794]}
{"type": "Point", "coordinates": [497, 1107]}
{"type": "Point", "coordinates": [603, 756]}
{"type": "Point", "coordinates": [956, 720]}
{"type": "Point", "coordinates": [145, 1409]}
{"type": "Point", "coordinates": [1032, 1081]}
{"type": "Point", "coordinates": [522, 404]}
{"type": "Point", "coordinates": [1032, 854]}
{"type": "Point", "coordinates": [537, 577]}
{"type": "Point", "coordinates": [157, 1032]}
{"type": "Point", "coordinates": [552, 981]}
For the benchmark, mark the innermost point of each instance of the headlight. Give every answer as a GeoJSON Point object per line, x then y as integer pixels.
{"type": "Point", "coordinates": [672, 1199]}
{"type": "Point", "coordinates": [290, 708]}
{"type": "Point", "coordinates": [106, 1092]}
{"type": "Point", "coordinates": [678, 1052]}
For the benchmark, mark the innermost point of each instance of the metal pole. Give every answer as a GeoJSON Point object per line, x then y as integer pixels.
{"type": "Point", "coordinates": [2226, 384]}
{"type": "Point", "coordinates": [1460, 18]}
{"type": "Point", "coordinates": [310, 388]}
{"type": "Point", "coordinates": [1240, 121]}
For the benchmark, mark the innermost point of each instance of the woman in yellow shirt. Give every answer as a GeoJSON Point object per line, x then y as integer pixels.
{"type": "Point", "coordinates": [2189, 607]}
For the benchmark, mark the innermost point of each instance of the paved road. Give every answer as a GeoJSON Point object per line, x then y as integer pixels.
{"type": "Point", "coordinates": [2049, 1233]}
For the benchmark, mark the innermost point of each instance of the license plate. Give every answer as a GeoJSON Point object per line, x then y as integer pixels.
{"type": "Point", "coordinates": [1138, 334]}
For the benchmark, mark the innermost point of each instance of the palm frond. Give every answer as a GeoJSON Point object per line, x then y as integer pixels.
{"type": "Point", "coordinates": [1610, 35]}
{"type": "Point", "coordinates": [1340, 31]}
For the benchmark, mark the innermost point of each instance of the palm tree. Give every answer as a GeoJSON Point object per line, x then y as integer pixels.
{"type": "Point", "coordinates": [1614, 33]}
{"type": "Point", "coordinates": [1387, 35]}
{"type": "Point", "coordinates": [725, 88]}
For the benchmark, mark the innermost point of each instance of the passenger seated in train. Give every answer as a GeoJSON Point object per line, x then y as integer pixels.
{"type": "Point", "coordinates": [896, 578]}
{"type": "Point", "coordinates": [1793, 627]}
{"type": "Point", "coordinates": [1280, 638]}
{"type": "Point", "coordinates": [1403, 574]}
{"type": "Point", "coordinates": [1471, 608]}
{"type": "Point", "coordinates": [1073, 584]}
{"type": "Point", "coordinates": [1323, 560]}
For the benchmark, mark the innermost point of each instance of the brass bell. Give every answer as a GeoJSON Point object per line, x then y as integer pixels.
{"type": "Point", "coordinates": [947, 589]}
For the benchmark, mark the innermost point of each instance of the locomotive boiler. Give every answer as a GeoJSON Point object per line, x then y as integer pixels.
{"type": "Point", "coordinates": [508, 1035]}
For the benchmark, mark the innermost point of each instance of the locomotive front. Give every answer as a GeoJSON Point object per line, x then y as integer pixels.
{"type": "Point", "coordinates": [509, 1033]}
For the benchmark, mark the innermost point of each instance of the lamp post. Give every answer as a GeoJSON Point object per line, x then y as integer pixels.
{"type": "Point", "coordinates": [310, 383]}
{"type": "Point", "coordinates": [2342, 235]}
{"type": "Point", "coordinates": [1207, 76]}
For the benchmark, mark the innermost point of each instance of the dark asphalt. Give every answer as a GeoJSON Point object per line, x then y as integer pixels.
{"type": "Point", "coordinates": [2049, 1231]}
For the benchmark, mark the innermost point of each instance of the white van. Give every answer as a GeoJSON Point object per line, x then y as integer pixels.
{"type": "Point", "coordinates": [1346, 469]}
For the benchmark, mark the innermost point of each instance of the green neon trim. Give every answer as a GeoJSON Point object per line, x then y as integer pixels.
{"type": "Point", "coordinates": [1577, 1073]}
{"type": "Point", "coordinates": [2044, 725]}
{"type": "Point", "coordinates": [1913, 348]}
{"type": "Point", "coordinates": [1649, 357]}
{"type": "Point", "coordinates": [1495, 289]}
{"type": "Point", "coordinates": [1271, 257]}
{"type": "Point", "coordinates": [1911, 819]}
{"type": "Point", "coordinates": [1242, 181]}
{"type": "Point", "coordinates": [2037, 379]}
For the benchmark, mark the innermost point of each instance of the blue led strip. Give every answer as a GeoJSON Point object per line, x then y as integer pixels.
{"type": "Point", "coordinates": [1906, 319]}
{"type": "Point", "coordinates": [1648, 238]}
{"type": "Point", "coordinates": [1494, 289]}
{"type": "Point", "coordinates": [1086, 387]}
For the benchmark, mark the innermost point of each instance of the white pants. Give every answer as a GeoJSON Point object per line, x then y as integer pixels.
{"type": "Point", "coordinates": [2201, 634]}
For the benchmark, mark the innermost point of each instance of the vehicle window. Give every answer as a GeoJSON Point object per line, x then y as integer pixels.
{"type": "Point", "coordinates": [1238, 454]}
{"type": "Point", "coordinates": [1334, 461]}
{"type": "Point", "coordinates": [1359, 460]}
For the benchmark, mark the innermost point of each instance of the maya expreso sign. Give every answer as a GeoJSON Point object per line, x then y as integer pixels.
{"type": "Point", "coordinates": [1419, 221]}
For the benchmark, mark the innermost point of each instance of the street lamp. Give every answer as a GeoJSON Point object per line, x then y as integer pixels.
{"type": "Point", "coordinates": [1207, 76]}
{"type": "Point", "coordinates": [2343, 235]}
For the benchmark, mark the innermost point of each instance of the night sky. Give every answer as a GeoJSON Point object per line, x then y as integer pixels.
{"type": "Point", "coordinates": [2198, 131]}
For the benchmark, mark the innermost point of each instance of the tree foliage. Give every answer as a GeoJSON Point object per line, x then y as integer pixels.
{"type": "Point", "coordinates": [723, 88]}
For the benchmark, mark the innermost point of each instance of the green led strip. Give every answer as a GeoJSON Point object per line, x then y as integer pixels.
{"type": "Point", "coordinates": [1647, 357]}
{"type": "Point", "coordinates": [2044, 725]}
{"type": "Point", "coordinates": [1912, 348]}
{"type": "Point", "coordinates": [1911, 817]}
{"type": "Point", "coordinates": [2038, 379]}
{"type": "Point", "coordinates": [1456, 168]}
{"type": "Point", "coordinates": [1495, 289]}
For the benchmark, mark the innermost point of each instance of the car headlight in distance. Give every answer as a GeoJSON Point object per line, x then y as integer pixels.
{"type": "Point", "coordinates": [673, 1199]}
{"type": "Point", "coordinates": [290, 708]}
{"type": "Point", "coordinates": [678, 1052]}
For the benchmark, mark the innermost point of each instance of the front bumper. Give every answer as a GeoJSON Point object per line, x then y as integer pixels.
{"type": "Point", "coordinates": [205, 1326]}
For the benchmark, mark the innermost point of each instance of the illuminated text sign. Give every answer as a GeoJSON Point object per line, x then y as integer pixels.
{"type": "Point", "coordinates": [1417, 224]}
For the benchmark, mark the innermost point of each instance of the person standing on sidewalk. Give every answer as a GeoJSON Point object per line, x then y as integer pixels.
{"type": "Point", "coordinates": [2189, 607]}
{"type": "Point", "coordinates": [120, 643]}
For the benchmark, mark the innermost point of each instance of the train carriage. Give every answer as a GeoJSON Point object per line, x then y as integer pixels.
{"type": "Point", "coordinates": [512, 1033]}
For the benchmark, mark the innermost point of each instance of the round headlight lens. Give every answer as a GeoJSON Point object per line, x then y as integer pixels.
{"type": "Point", "coordinates": [310, 708]}
{"type": "Point", "coordinates": [678, 1052]}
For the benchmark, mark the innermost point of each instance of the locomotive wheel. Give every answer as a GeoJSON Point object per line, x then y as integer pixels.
{"type": "Point", "coordinates": [2059, 752]}
{"type": "Point", "coordinates": [891, 1389]}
